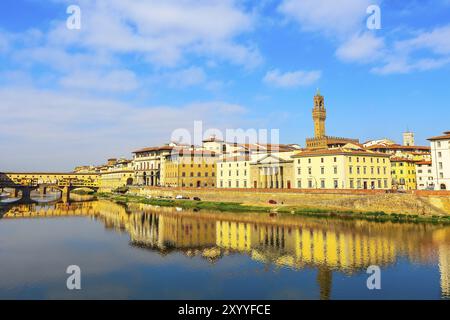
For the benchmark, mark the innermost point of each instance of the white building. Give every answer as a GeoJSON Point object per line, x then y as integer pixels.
{"type": "Point", "coordinates": [440, 153]}
{"type": "Point", "coordinates": [424, 175]}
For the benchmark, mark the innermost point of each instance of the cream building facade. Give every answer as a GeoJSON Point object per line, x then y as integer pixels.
{"type": "Point", "coordinates": [148, 164]}
{"type": "Point", "coordinates": [342, 168]}
{"type": "Point", "coordinates": [440, 152]}
{"type": "Point", "coordinates": [424, 175]}
{"type": "Point", "coordinates": [234, 172]}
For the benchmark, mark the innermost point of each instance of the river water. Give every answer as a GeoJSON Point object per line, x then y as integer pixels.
{"type": "Point", "coordinates": [144, 252]}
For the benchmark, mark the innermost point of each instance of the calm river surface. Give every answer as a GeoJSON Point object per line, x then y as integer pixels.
{"type": "Point", "coordinates": [144, 252]}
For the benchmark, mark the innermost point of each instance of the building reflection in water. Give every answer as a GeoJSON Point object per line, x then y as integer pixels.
{"type": "Point", "coordinates": [326, 245]}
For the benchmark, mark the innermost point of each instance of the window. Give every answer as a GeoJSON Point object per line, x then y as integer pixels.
{"type": "Point", "coordinates": [322, 170]}
{"type": "Point", "coordinates": [309, 170]}
{"type": "Point", "coordinates": [352, 184]}
{"type": "Point", "coordinates": [310, 184]}
{"type": "Point", "coordinates": [245, 183]}
{"type": "Point", "coordinates": [322, 184]}
{"type": "Point", "coordinates": [322, 160]}
{"type": "Point", "coordinates": [299, 184]}
{"type": "Point", "coordinates": [350, 169]}
{"type": "Point", "coordinates": [336, 184]}
{"type": "Point", "coordinates": [299, 171]}
{"type": "Point", "coordinates": [439, 154]}
{"type": "Point", "coordinates": [335, 170]}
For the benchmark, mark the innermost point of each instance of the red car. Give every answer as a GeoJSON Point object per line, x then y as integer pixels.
{"type": "Point", "coordinates": [272, 202]}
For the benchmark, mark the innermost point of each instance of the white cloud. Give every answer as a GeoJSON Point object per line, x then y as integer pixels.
{"type": "Point", "coordinates": [332, 17]}
{"type": "Point", "coordinates": [116, 81]}
{"type": "Point", "coordinates": [291, 79]}
{"type": "Point", "coordinates": [436, 40]}
{"type": "Point", "coordinates": [185, 78]}
{"type": "Point", "coordinates": [361, 48]}
{"type": "Point", "coordinates": [425, 51]}
{"type": "Point", "coordinates": [162, 30]}
{"type": "Point", "coordinates": [48, 130]}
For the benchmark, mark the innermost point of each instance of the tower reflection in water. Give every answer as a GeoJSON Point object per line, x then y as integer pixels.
{"type": "Point", "coordinates": [327, 245]}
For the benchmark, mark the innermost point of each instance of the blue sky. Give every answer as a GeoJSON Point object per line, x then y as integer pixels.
{"type": "Point", "coordinates": [138, 70]}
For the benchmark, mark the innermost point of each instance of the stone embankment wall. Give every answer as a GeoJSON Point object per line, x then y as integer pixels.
{"type": "Point", "coordinates": [421, 203]}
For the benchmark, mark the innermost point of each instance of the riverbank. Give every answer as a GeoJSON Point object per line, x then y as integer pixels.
{"type": "Point", "coordinates": [378, 216]}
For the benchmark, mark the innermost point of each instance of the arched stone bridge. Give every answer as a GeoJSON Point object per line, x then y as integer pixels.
{"type": "Point", "coordinates": [65, 182]}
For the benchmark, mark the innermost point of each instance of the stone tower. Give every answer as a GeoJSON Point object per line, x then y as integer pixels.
{"type": "Point", "coordinates": [408, 139]}
{"type": "Point", "coordinates": [319, 115]}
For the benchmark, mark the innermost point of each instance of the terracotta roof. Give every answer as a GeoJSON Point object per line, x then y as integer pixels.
{"type": "Point", "coordinates": [444, 137]}
{"type": "Point", "coordinates": [339, 151]}
{"type": "Point", "coordinates": [424, 163]}
{"type": "Point", "coordinates": [397, 159]}
{"type": "Point", "coordinates": [212, 139]}
{"type": "Point", "coordinates": [186, 152]}
{"type": "Point", "coordinates": [398, 147]}
{"type": "Point", "coordinates": [149, 149]}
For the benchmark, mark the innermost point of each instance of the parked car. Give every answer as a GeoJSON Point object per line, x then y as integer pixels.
{"type": "Point", "coordinates": [272, 202]}
{"type": "Point", "coordinates": [180, 197]}
{"type": "Point", "coordinates": [196, 199]}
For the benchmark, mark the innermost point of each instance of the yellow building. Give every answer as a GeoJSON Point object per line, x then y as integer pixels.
{"type": "Point", "coordinates": [349, 167]}
{"type": "Point", "coordinates": [404, 174]}
{"type": "Point", "coordinates": [190, 168]}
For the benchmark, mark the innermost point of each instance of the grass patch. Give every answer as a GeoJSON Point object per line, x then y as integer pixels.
{"type": "Point", "coordinates": [377, 216]}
